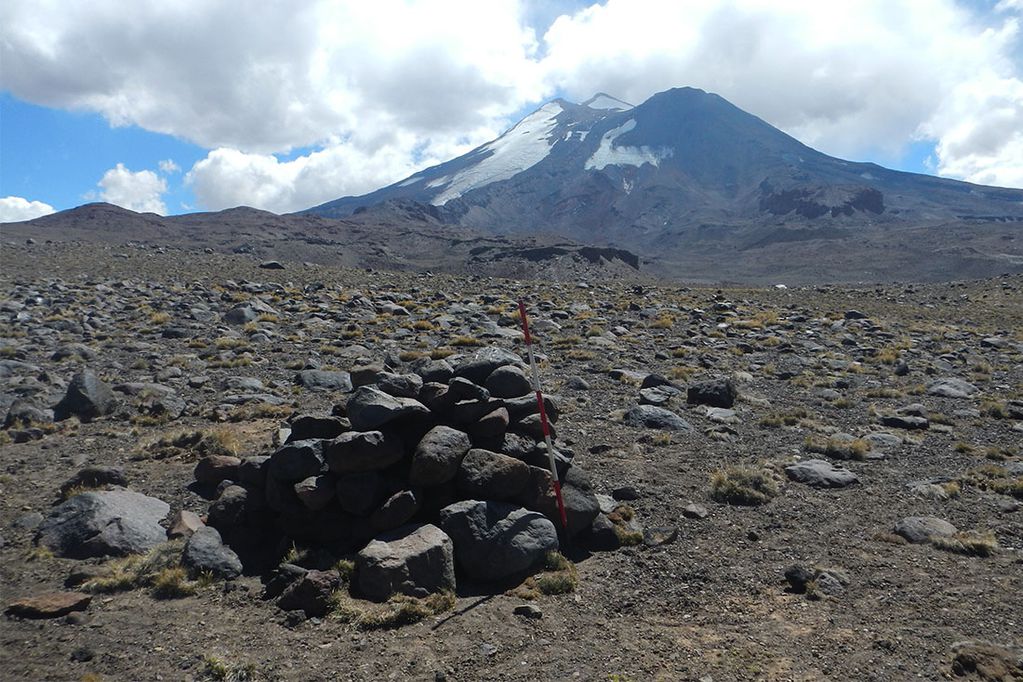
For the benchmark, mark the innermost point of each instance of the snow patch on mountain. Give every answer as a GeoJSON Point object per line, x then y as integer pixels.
{"type": "Point", "coordinates": [610, 155]}
{"type": "Point", "coordinates": [522, 147]}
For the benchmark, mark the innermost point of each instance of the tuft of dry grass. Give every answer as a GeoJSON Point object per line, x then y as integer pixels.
{"type": "Point", "coordinates": [743, 485]}
{"type": "Point", "coordinates": [856, 449]}
{"type": "Point", "coordinates": [970, 543]}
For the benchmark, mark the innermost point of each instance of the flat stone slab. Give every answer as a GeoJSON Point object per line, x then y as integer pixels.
{"type": "Point", "coordinates": [820, 473]}
{"type": "Point", "coordinates": [49, 605]}
{"type": "Point", "coordinates": [920, 529]}
{"type": "Point", "coordinates": [653, 417]}
{"type": "Point", "coordinates": [951, 387]}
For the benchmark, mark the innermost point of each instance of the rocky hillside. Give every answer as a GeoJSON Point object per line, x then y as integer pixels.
{"type": "Point", "coordinates": [213, 470]}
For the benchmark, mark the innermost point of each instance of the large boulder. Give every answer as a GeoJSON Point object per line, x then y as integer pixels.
{"type": "Point", "coordinates": [497, 540]}
{"type": "Point", "coordinates": [87, 397]}
{"type": "Point", "coordinates": [103, 523]}
{"type": "Point", "coordinates": [438, 456]}
{"type": "Point", "coordinates": [486, 475]}
{"type": "Point", "coordinates": [413, 560]}
{"type": "Point", "coordinates": [652, 417]}
{"type": "Point", "coordinates": [717, 392]}
{"type": "Point", "coordinates": [358, 451]}
{"type": "Point", "coordinates": [370, 408]}
{"type": "Point", "coordinates": [205, 552]}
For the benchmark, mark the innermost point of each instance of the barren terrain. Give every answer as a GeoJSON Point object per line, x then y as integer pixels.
{"type": "Point", "coordinates": [821, 373]}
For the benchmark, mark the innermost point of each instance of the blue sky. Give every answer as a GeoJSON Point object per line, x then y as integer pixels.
{"type": "Point", "coordinates": [299, 107]}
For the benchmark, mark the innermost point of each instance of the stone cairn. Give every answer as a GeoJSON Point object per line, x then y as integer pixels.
{"type": "Point", "coordinates": [415, 474]}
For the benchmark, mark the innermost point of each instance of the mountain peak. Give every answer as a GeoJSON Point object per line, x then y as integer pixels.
{"type": "Point", "coordinates": [602, 101]}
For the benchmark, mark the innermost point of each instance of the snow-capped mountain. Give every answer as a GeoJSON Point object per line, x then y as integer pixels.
{"type": "Point", "coordinates": [683, 167]}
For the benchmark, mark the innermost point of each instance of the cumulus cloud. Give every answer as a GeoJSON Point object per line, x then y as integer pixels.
{"type": "Point", "coordinates": [15, 209]}
{"type": "Point", "coordinates": [378, 90]}
{"type": "Point", "coordinates": [167, 166]}
{"type": "Point", "coordinates": [137, 191]}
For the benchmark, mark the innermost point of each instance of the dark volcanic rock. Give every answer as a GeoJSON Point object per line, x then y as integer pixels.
{"type": "Point", "coordinates": [205, 552]}
{"type": "Point", "coordinates": [370, 408]}
{"type": "Point", "coordinates": [718, 392]}
{"type": "Point", "coordinates": [652, 417]}
{"type": "Point", "coordinates": [485, 475]}
{"type": "Point", "coordinates": [495, 540]}
{"type": "Point", "coordinates": [438, 456]}
{"type": "Point", "coordinates": [358, 451]}
{"type": "Point", "coordinates": [87, 398]}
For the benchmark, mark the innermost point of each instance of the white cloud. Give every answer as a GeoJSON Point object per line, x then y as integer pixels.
{"type": "Point", "coordinates": [377, 90]}
{"type": "Point", "coordinates": [137, 191]}
{"type": "Point", "coordinates": [15, 209]}
{"type": "Point", "coordinates": [167, 166]}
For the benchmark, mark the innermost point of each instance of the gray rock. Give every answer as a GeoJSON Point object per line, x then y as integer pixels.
{"type": "Point", "coordinates": [396, 511]}
{"type": "Point", "coordinates": [323, 380]}
{"type": "Point", "coordinates": [102, 523]}
{"type": "Point", "coordinates": [241, 314]}
{"type": "Point", "coordinates": [435, 371]}
{"type": "Point", "coordinates": [212, 469]}
{"type": "Point", "coordinates": [87, 398]}
{"type": "Point", "coordinates": [477, 368]}
{"type": "Point", "coordinates": [310, 593]}
{"type": "Point", "coordinates": [918, 529]}
{"type": "Point", "coordinates": [695, 511]}
{"type": "Point", "coordinates": [496, 540]}
{"type": "Point", "coordinates": [820, 474]}
{"type": "Point", "coordinates": [399, 385]}
{"type": "Point", "coordinates": [951, 387]}
{"type": "Point", "coordinates": [315, 492]}
{"type": "Point", "coordinates": [306, 426]}
{"type": "Point", "coordinates": [508, 381]}
{"type": "Point", "coordinates": [438, 456]}
{"type": "Point", "coordinates": [297, 460]}
{"type": "Point", "coordinates": [205, 552]}
{"type": "Point", "coordinates": [652, 417]}
{"type": "Point", "coordinates": [413, 560]}
{"type": "Point", "coordinates": [229, 509]}
{"type": "Point", "coordinates": [717, 392]}
{"type": "Point", "coordinates": [581, 505]}
{"type": "Point", "coordinates": [898, 421]}
{"type": "Point", "coordinates": [358, 451]}
{"type": "Point", "coordinates": [370, 408]}
{"type": "Point", "coordinates": [485, 475]}
{"type": "Point", "coordinates": [23, 413]}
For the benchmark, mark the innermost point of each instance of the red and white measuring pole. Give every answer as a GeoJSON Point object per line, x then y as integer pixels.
{"type": "Point", "coordinates": [543, 416]}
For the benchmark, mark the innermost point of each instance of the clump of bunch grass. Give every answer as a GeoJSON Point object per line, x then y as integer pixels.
{"type": "Point", "coordinates": [398, 611]}
{"type": "Point", "coordinates": [743, 485]}
{"type": "Point", "coordinates": [219, 670]}
{"type": "Point", "coordinates": [836, 448]}
{"type": "Point", "coordinates": [559, 576]}
{"type": "Point", "coordinates": [159, 569]}
{"type": "Point", "coordinates": [970, 543]}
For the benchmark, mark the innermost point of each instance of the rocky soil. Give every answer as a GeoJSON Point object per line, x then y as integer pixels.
{"type": "Point", "coordinates": [806, 483]}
